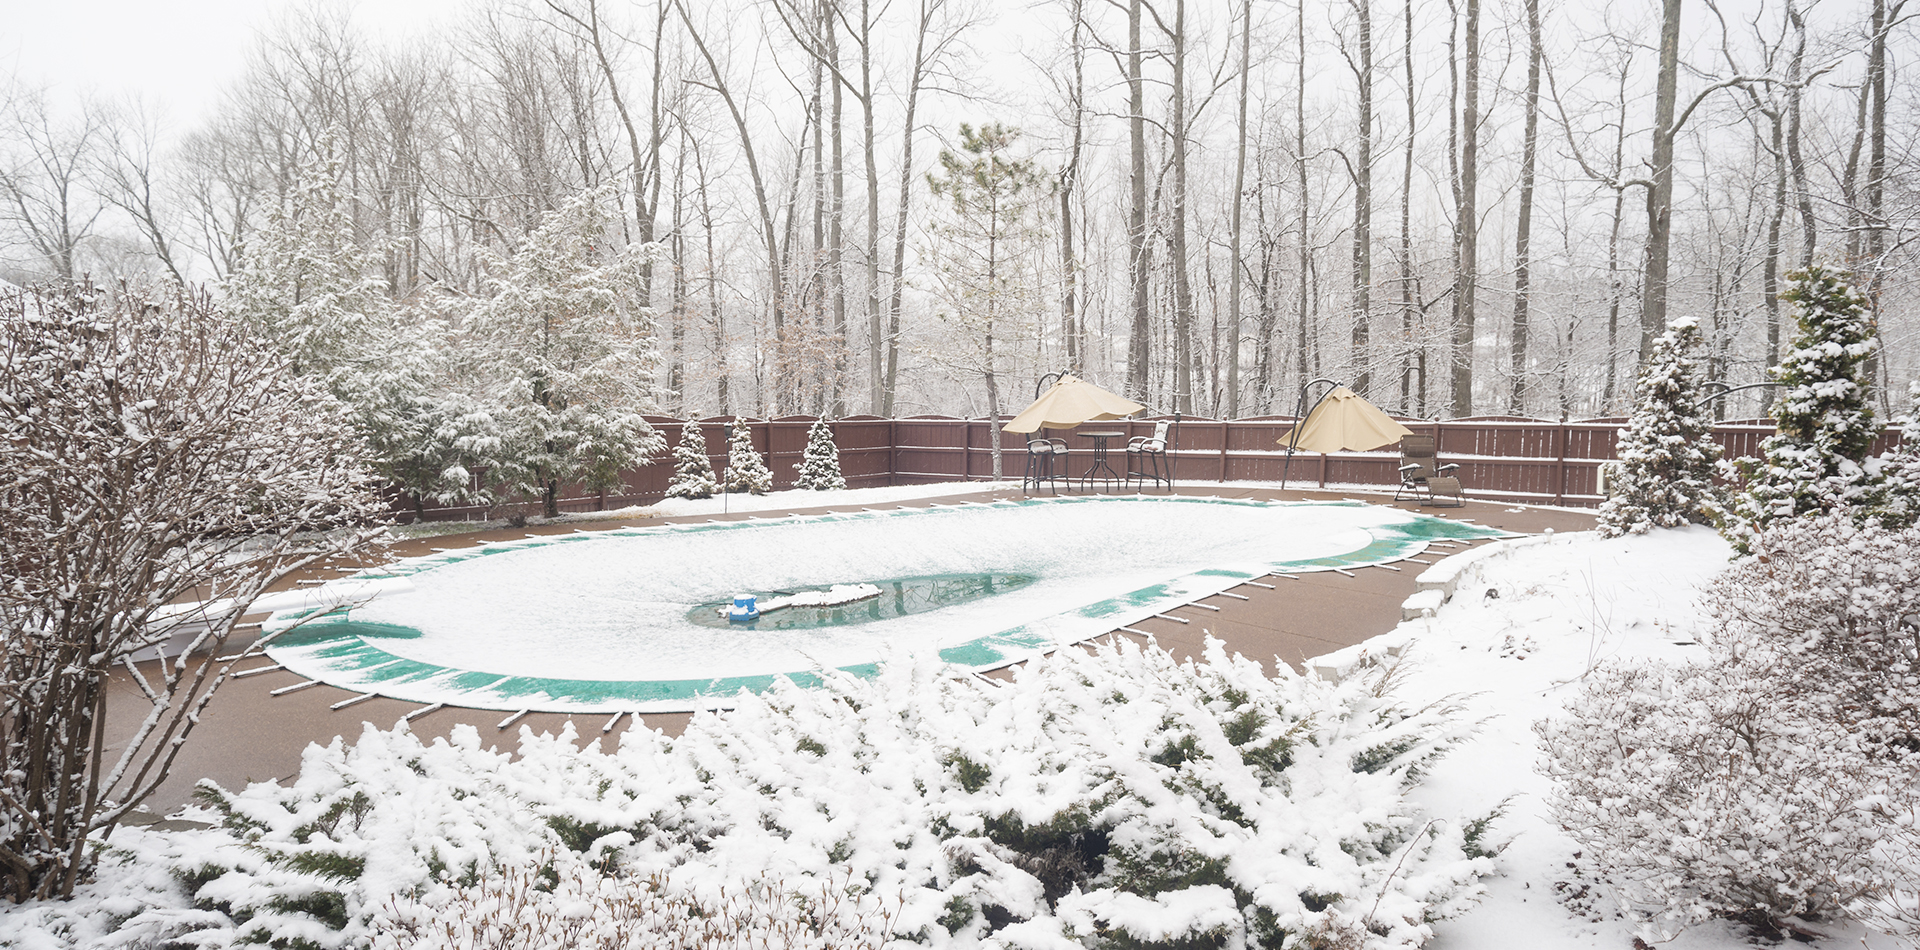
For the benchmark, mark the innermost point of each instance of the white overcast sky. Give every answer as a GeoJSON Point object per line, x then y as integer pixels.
{"type": "Point", "coordinates": [176, 53]}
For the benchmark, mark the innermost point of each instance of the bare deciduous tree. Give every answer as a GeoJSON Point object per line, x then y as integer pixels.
{"type": "Point", "coordinates": [153, 453]}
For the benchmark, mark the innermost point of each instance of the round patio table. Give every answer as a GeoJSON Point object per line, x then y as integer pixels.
{"type": "Point", "coordinates": [1100, 458]}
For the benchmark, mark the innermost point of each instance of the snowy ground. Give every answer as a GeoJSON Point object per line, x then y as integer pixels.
{"type": "Point", "coordinates": [1521, 637]}
{"type": "Point", "coordinates": [1528, 622]}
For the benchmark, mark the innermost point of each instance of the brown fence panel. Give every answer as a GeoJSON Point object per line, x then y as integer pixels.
{"type": "Point", "coordinates": [1501, 457]}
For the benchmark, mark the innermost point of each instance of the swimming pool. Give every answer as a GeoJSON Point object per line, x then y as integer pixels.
{"type": "Point", "coordinates": [605, 621]}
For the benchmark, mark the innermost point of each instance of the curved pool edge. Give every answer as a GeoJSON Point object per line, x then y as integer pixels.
{"type": "Point", "coordinates": [314, 647]}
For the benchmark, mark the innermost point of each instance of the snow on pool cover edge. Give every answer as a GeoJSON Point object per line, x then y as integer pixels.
{"type": "Point", "coordinates": [331, 649]}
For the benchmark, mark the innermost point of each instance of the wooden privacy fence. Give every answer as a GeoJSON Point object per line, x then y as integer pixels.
{"type": "Point", "coordinates": [1500, 457]}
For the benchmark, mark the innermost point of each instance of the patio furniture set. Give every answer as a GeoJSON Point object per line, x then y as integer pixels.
{"type": "Point", "coordinates": [1340, 420]}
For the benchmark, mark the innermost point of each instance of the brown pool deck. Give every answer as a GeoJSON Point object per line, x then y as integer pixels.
{"type": "Point", "coordinates": [248, 734]}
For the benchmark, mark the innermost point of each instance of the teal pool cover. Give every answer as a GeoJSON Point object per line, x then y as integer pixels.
{"type": "Point", "coordinates": [352, 654]}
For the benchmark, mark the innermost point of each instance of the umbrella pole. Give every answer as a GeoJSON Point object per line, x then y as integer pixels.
{"type": "Point", "coordinates": [1300, 421]}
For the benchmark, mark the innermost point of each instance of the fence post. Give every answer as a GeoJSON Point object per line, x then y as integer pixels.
{"type": "Point", "coordinates": [1560, 466]}
{"type": "Point", "coordinates": [1226, 431]}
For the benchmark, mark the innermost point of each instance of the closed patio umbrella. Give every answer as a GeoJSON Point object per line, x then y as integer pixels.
{"type": "Point", "coordinates": [1344, 422]}
{"type": "Point", "coordinates": [1341, 422]}
{"type": "Point", "coordinates": [1070, 402]}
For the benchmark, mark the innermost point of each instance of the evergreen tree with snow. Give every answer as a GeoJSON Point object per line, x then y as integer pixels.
{"type": "Point", "coordinates": [564, 353]}
{"type": "Point", "coordinates": [820, 464]}
{"type": "Point", "coordinates": [1899, 469]}
{"type": "Point", "coordinates": [692, 473]}
{"type": "Point", "coordinates": [307, 286]}
{"type": "Point", "coordinates": [1825, 427]}
{"type": "Point", "coordinates": [1666, 455]}
{"type": "Point", "coordinates": [746, 470]}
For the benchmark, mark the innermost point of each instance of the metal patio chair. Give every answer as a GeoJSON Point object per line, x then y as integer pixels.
{"type": "Point", "coordinates": [1422, 477]}
{"type": "Point", "coordinates": [1046, 461]}
{"type": "Point", "coordinates": [1147, 457]}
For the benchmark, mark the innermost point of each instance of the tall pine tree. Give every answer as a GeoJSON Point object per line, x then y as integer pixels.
{"type": "Point", "coordinates": [307, 285]}
{"type": "Point", "coordinates": [1664, 475]}
{"type": "Point", "coordinates": [564, 352]}
{"type": "Point", "coordinates": [1825, 426]}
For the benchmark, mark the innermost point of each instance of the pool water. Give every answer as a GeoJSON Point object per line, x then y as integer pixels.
{"type": "Point", "coordinates": [897, 598]}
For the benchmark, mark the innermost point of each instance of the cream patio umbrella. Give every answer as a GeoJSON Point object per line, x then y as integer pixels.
{"type": "Point", "coordinates": [1071, 401]}
{"type": "Point", "coordinates": [1341, 422]}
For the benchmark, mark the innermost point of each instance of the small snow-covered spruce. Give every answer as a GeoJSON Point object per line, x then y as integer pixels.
{"type": "Point", "coordinates": [1664, 475]}
{"type": "Point", "coordinates": [1121, 793]}
{"type": "Point", "coordinates": [1777, 778]}
{"type": "Point", "coordinates": [820, 464]}
{"type": "Point", "coordinates": [692, 472]}
{"type": "Point", "coordinates": [1825, 427]}
{"type": "Point", "coordinates": [746, 470]}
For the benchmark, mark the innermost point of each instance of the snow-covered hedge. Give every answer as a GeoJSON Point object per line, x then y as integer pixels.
{"type": "Point", "coordinates": [1116, 799]}
{"type": "Point", "coordinates": [1782, 776]}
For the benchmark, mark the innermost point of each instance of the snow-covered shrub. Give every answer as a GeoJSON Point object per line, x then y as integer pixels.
{"type": "Point", "coordinates": [820, 464]}
{"type": "Point", "coordinates": [746, 470]}
{"type": "Point", "coordinates": [692, 473]}
{"type": "Point", "coordinates": [1119, 798]}
{"type": "Point", "coordinates": [160, 467]}
{"type": "Point", "coordinates": [1666, 455]}
{"type": "Point", "coordinates": [568, 902]}
{"type": "Point", "coordinates": [1825, 426]}
{"type": "Point", "coordinates": [1777, 778]}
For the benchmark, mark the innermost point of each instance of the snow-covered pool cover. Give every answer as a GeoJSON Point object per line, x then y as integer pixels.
{"type": "Point", "coordinates": [596, 622]}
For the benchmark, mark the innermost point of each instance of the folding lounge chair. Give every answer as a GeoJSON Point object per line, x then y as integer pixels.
{"type": "Point", "coordinates": [1422, 477]}
{"type": "Point", "coordinates": [1147, 456]}
{"type": "Point", "coordinates": [1045, 460]}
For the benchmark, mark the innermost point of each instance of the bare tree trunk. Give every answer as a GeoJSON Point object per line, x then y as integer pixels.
{"type": "Point", "coordinates": [768, 232]}
{"type": "Point", "coordinates": [1304, 344]}
{"type": "Point", "coordinates": [677, 348]}
{"type": "Point", "coordinates": [715, 312]}
{"type": "Point", "coordinates": [1466, 274]}
{"type": "Point", "coordinates": [836, 236]}
{"type": "Point", "coordinates": [1653, 301]}
{"type": "Point", "coordinates": [928, 10]}
{"type": "Point", "coordinates": [868, 141]}
{"type": "Point", "coordinates": [1182, 284]}
{"type": "Point", "coordinates": [1239, 202]}
{"type": "Point", "coordinates": [1139, 339]}
{"type": "Point", "coordinates": [1409, 304]}
{"type": "Point", "coordinates": [1363, 201]}
{"type": "Point", "coordinates": [1069, 186]}
{"type": "Point", "coordinates": [1523, 230]}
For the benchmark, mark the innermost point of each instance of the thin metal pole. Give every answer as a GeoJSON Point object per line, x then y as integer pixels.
{"type": "Point", "coordinates": [1300, 422]}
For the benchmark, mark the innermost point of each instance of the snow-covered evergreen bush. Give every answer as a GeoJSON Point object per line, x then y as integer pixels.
{"type": "Point", "coordinates": [1813, 463]}
{"type": "Point", "coordinates": [746, 470]}
{"type": "Point", "coordinates": [820, 463]}
{"type": "Point", "coordinates": [1778, 777]}
{"type": "Point", "coordinates": [1666, 455]}
{"type": "Point", "coordinates": [692, 472]}
{"type": "Point", "coordinates": [1118, 798]}
{"type": "Point", "coordinates": [1899, 469]}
